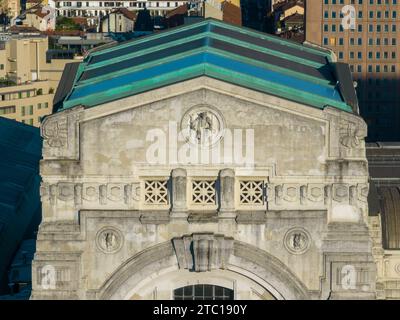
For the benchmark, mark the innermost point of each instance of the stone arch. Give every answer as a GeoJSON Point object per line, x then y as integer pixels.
{"type": "Point", "coordinates": [247, 261]}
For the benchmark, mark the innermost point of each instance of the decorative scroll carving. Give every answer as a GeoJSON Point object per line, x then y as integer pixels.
{"type": "Point", "coordinates": [351, 134]}
{"type": "Point", "coordinates": [340, 192]}
{"type": "Point", "coordinates": [363, 190]}
{"type": "Point", "coordinates": [65, 191]}
{"type": "Point", "coordinates": [291, 192]}
{"type": "Point", "coordinates": [90, 192]}
{"type": "Point", "coordinates": [55, 132]}
{"type": "Point", "coordinates": [115, 192]}
{"type": "Point", "coordinates": [201, 252]}
{"type": "Point", "coordinates": [315, 192]}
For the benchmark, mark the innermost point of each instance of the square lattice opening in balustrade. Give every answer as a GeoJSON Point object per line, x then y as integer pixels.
{"type": "Point", "coordinates": [203, 192]}
{"type": "Point", "coordinates": [156, 192]}
{"type": "Point", "coordinates": [251, 192]}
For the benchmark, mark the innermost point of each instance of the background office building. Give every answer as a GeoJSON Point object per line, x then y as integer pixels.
{"type": "Point", "coordinates": [371, 49]}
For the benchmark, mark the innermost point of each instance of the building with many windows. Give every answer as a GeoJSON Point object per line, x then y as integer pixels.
{"type": "Point", "coordinates": [368, 40]}
{"type": "Point", "coordinates": [11, 8]}
{"type": "Point", "coordinates": [29, 78]}
{"type": "Point", "coordinates": [95, 10]}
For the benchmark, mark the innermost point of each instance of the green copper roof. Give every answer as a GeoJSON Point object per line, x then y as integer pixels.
{"type": "Point", "coordinates": [215, 49]}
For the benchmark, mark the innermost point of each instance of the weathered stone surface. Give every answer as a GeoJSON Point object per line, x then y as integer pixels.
{"type": "Point", "coordinates": [290, 225]}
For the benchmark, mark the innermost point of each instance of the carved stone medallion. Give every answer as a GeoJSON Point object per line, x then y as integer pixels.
{"type": "Point", "coordinates": [202, 126]}
{"type": "Point", "coordinates": [297, 240]}
{"type": "Point", "coordinates": [109, 240]}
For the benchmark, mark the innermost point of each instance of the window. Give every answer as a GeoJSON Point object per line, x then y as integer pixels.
{"type": "Point", "coordinates": [203, 292]}
{"type": "Point", "coordinates": [7, 110]}
{"type": "Point", "coordinates": [22, 111]}
{"type": "Point", "coordinates": [46, 105]}
{"type": "Point", "coordinates": [30, 108]}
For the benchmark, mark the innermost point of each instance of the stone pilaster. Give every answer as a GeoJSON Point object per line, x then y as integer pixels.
{"type": "Point", "coordinates": [179, 199]}
{"type": "Point", "coordinates": [227, 194]}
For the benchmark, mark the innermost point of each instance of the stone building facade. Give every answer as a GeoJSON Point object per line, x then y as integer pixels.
{"type": "Point", "coordinates": [263, 192]}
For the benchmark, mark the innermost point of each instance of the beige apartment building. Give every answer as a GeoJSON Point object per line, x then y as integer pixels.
{"type": "Point", "coordinates": [11, 7]}
{"type": "Point", "coordinates": [372, 50]}
{"type": "Point", "coordinates": [23, 62]}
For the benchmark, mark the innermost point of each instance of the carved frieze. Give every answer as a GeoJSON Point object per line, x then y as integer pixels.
{"type": "Point", "coordinates": [315, 195]}
{"type": "Point", "coordinates": [91, 193]}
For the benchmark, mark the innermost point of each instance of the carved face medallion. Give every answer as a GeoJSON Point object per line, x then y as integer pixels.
{"type": "Point", "coordinates": [297, 240]}
{"type": "Point", "coordinates": [109, 240]}
{"type": "Point", "coordinates": [202, 126]}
